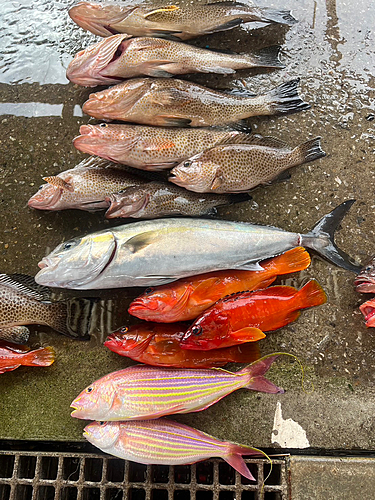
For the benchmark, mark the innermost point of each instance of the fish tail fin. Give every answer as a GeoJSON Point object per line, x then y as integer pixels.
{"type": "Point", "coordinates": [310, 295]}
{"type": "Point", "coordinates": [268, 57]}
{"type": "Point", "coordinates": [291, 261]}
{"type": "Point", "coordinates": [234, 458]}
{"type": "Point", "coordinates": [73, 317]}
{"type": "Point", "coordinates": [321, 238]}
{"type": "Point", "coordinates": [308, 151]}
{"type": "Point", "coordinates": [44, 356]}
{"type": "Point", "coordinates": [256, 371]}
{"type": "Point", "coordinates": [285, 99]}
{"type": "Point", "coordinates": [270, 15]}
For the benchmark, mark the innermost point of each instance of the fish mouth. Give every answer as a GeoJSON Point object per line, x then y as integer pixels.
{"type": "Point", "coordinates": [368, 311]}
{"type": "Point", "coordinates": [140, 306]}
{"type": "Point", "coordinates": [364, 284]}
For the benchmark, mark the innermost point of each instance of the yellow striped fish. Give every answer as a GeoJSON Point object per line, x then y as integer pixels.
{"type": "Point", "coordinates": [146, 392]}
{"type": "Point", "coordinates": [165, 442]}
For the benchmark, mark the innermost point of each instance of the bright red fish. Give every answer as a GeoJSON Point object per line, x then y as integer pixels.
{"type": "Point", "coordinates": [159, 345]}
{"type": "Point", "coordinates": [187, 298]}
{"type": "Point", "coordinates": [231, 320]}
{"type": "Point", "coordinates": [12, 356]}
{"type": "Point", "coordinates": [368, 311]}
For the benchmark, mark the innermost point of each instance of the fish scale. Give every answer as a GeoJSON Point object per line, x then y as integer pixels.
{"type": "Point", "coordinates": [165, 442]}
{"type": "Point", "coordinates": [142, 391]}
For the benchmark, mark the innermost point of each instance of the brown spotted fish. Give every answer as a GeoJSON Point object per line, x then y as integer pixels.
{"type": "Point", "coordinates": [120, 56]}
{"type": "Point", "coordinates": [23, 302]}
{"type": "Point", "coordinates": [178, 103]}
{"type": "Point", "coordinates": [179, 20]}
{"type": "Point", "coordinates": [151, 148]}
{"type": "Point", "coordinates": [240, 167]}
{"type": "Point", "coordinates": [158, 199]}
{"type": "Point", "coordinates": [84, 187]}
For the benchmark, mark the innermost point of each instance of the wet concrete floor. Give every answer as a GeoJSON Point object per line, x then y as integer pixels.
{"type": "Point", "coordinates": [332, 50]}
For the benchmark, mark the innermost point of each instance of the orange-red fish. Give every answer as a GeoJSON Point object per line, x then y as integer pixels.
{"type": "Point", "coordinates": [159, 345]}
{"type": "Point", "coordinates": [187, 298]}
{"type": "Point", "coordinates": [368, 311]}
{"type": "Point", "coordinates": [12, 356]}
{"type": "Point", "coordinates": [232, 320]}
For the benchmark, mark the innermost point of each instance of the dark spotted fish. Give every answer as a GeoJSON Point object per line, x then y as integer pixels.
{"type": "Point", "coordinates": [23, 302]}
{"type": "Point", "coordinates": [240, 167]}
{"type": "Point", "coordinates": [151, 148]}
{"type": "Point", "coordinates": [178, 20]}
{"type": "Point", "coordinates": [159, 199]}
{"type": "Point", "coordinates": [120, 57]}
{"type": "Point", "coordinates": [178, 103]}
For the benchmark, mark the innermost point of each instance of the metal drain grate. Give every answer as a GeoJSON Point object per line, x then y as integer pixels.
{"type": "Point", "coordinates": [85, 476]}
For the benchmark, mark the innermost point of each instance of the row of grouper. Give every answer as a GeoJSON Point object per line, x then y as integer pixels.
{"type": "Point", "coordinates": [214, 161]}
{"type": "Point", "coordinates": [213, 164]}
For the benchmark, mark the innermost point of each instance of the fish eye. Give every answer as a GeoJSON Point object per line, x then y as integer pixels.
{"type": "Point", "coordinates": [368, 269]}
{"type": "Point", "coordinates": [102, 423]}
{"type": "Point", "coordinates": [68, 245]}
{"type": "Point", "coordinates": [103, 125]}
{"type": "Point", "coordinates": [148, 291]}
{"type": "Point", "coordinates": [187, 164]}
{"type": "Point", "coordinates": [196, 330]}
{"type": "Point", "coordinates": [124, 329]}
{"type": "Point", "coordinates": [89, 389]}
{"type": "Point", "coordinates": [41, 187]}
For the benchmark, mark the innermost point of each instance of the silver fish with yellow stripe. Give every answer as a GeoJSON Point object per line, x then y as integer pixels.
{"type": "Point", "coordinates": [146, 392]}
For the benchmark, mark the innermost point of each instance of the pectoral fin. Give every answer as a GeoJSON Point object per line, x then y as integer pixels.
{"type": "Point", "coordinates": [59, 183]}
{"type": "Point", "coordinates": [248, 334]}
{"type": "Point", "coordinates": [217, 180]}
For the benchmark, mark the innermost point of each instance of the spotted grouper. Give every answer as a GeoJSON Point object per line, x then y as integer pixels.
{"type": "Point", "coordinates": [241, 167]}
{"type": "Point", "coordinates": [181, 20]}
{"type": "Point", "coordinates": [178, 103]}
{"type": "Point", "coordinates": [120, 56]}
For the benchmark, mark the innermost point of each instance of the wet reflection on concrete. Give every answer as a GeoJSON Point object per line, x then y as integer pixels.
{"type": "Point", "coordinates": [332, 50]}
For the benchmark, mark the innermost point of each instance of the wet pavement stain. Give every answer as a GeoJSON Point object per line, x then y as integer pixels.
{"type": "Point", "coordinates": [332, 50]}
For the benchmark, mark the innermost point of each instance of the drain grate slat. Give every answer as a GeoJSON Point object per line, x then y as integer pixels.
{"type": "Point", "coordinates": [90, 476]}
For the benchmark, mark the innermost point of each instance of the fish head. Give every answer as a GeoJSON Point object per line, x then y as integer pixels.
{"type": "Point", "coordinates": [368, 311]}
{"type": "Point", "coordinates": [207, 331]}
{"type": "Point", "coordinates": [87, 65]}
{"type": "Point", "coordinates": [117, 100]}
{"type": "Point", "coordinates": [133, 340]}
{"type": "Point", "coordinates": [47, 198]}
{"type": "Point", "coordinates": [365, 280]}
{"type": "Point", "coordinates": [102, 434]}
{"type": "Point", "coordinates": [196, 173]}
{"type": "Point", "coordinates": [98, 17]}
{"type": "Point", "coordinates": [78, 262]}
{"type": "Point", "coordinates": [106, 140]}
{"type": "Point", "coordinates": [95, 401]}
{"type": "Point", "coordinates": [158, 302]}
{"type": "Point", "coordinates": [127, 203]}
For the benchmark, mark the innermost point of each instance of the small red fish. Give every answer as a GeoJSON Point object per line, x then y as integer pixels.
{"type": "Point", "coordinates": [232, 320]}
{"type": "Point", "coordinates": [368, 311]}
{"type": "Point", "coordinates": [365, 280]}
{"type": "Point", "coordinates": [12, 356]}
{"type": "Point", "coordinates": [159, 345]}
{"type": "Point", "coordinates": [187, 298]}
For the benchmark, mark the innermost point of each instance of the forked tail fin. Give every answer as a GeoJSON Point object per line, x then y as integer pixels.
{"type": "Point", "coordinates": [234, 458]}
{"type": "Point", "coordinates": [321, 238]}
{"type": "Point", "coordinates": [256, 373]}
{"type": "Point", "coordinates": [270, 15]}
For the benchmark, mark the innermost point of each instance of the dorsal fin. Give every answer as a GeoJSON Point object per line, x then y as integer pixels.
{"type": "Point", "coordinates": [58, 182]}
{"type": "Point", "coordinates": [23, 283]}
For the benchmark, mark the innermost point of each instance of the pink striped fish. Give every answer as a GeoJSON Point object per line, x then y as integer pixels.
{"type": "Point", "coordinates": [146, 392]}
{"type": "Point", "coordinates": [165, 442]}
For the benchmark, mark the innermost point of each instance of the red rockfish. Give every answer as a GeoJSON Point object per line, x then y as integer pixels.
{"type": "Point", "coordinates": [159, 345]}
{"type": "Point", "coordinates": [232, 320]}
{"type": "Point", "coordinates": [187, 298]}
